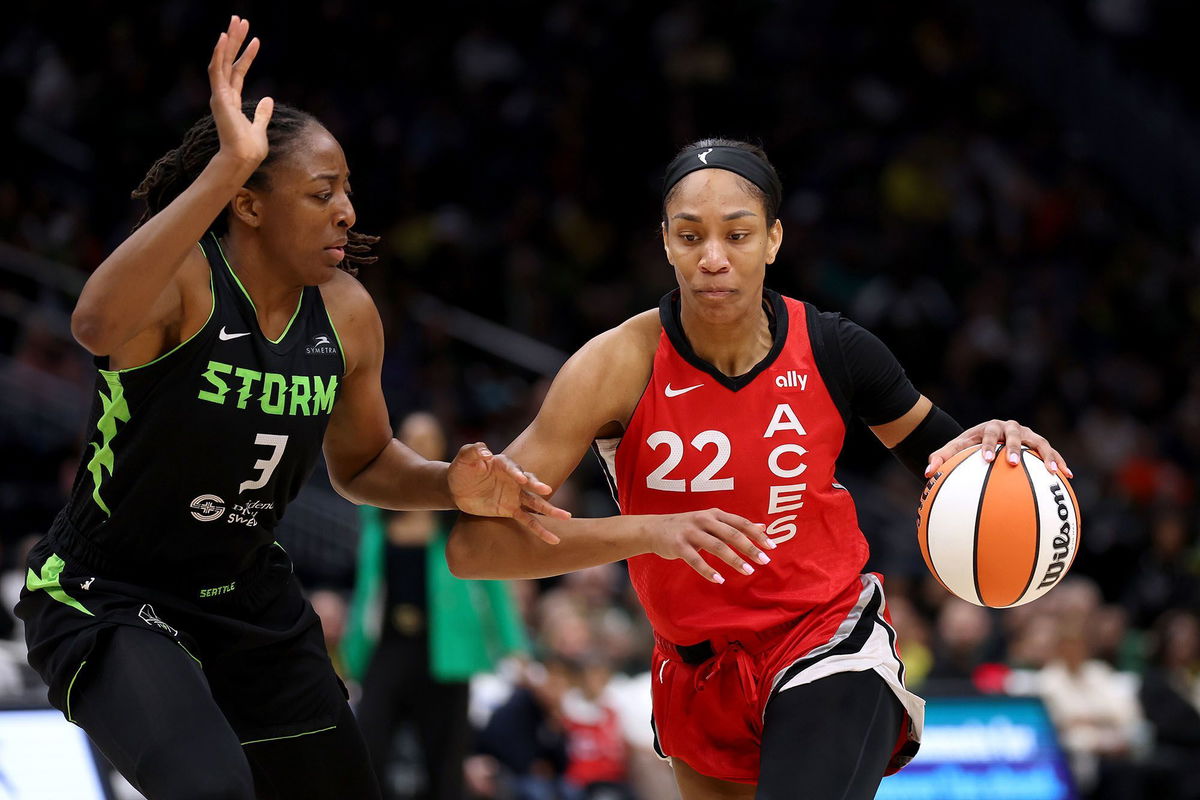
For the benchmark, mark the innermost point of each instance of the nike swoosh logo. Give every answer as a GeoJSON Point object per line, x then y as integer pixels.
{"type": "Point", "coordinates": [225, 337]}
{"type": "Point", "coordinates": [669, 392]}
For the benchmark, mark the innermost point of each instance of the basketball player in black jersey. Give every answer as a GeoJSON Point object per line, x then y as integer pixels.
{"type": "Point", "coordinates": [231, 344]}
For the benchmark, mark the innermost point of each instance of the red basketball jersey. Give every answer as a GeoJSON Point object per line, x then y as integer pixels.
{"type": "Point", "coordinates": [763, 446]}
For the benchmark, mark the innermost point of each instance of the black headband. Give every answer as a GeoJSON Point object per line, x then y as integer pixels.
{"type": "Point", "coordinates": [734, 159]}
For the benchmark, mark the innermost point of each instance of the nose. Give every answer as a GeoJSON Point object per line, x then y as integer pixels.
{"type": "Point", "coordinates": [714, 259]}
{"type": "Point", "coordinates": [344, 211]}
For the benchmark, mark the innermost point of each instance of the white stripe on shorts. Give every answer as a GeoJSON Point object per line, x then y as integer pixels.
{"type": "Point", "coordinates": [877, 653]}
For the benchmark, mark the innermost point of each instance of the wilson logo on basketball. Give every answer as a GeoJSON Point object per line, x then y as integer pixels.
{"type": "Point", "coordinates": [1060, 543]}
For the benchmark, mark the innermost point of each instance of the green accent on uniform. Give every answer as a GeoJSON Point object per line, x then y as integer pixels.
{"type": "Point", "coordinates": [279, 396]}
{"type": "Point", "coordinates": [71, 686]}
{"type": "Point", "coordinates": [288, 327]}
{"type": "Point", "coordinates": [221, 387]}
{"type": "Point", "coordinates": [341, 349]}
{"type": "Point", "coordinates": [189, 652]}
{"type": "Point", "coordinates": [248, 376]}
{"type": "Point", "coordinates": [115, 410]}
{"type": "Point", "coordinates": [323, 395]}
{"type": "Point", "coordinates": [301, 392]}
{"type": "Point", "coordinates": [274, 391]}
{"type": "Point", "coordinates": [48, 581]}
{"type": "Point", "coordinates": [293, 736]}
{"type": "Point", "coordinates": [238, 281]}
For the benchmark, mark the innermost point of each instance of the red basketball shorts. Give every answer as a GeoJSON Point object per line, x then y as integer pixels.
{"type": "Point", "coordinates": [710, 714]}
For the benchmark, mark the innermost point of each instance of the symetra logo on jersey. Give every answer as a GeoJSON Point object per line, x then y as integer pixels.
{"type": "Point", "coordinates": [321, 346]}
{"type": "Point", "coordinates": [295, 395]}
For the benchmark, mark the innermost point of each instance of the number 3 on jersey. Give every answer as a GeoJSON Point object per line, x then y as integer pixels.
{"type": "Point", "coordinates": [267, 465]}
{"type": "Point", "coordinates": [707, 480]}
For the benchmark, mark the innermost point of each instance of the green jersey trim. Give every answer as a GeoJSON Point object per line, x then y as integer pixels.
{"type": "Point", "coordinates": [341, 347]}
{"type": "Point", "coordinates": [115, 410]}
{"type": "Point", "coordinates": [293, 736]}
{"type": "Point", "coordinates": [71, 686]}
{"type": "Point", "coordinates": [212, 309]}
{"type": "Point", "coordinates": [238, 281]}
{"type": "Point", "coordinates": [48, 581]}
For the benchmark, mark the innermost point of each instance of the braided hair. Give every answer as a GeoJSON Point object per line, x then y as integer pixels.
{"type": "Point", "coordinates": [178, 168]}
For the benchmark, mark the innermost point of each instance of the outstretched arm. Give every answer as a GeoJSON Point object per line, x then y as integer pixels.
{"type": "Point", "coordinates": [134, 288]}
{"type": "Point", "coordinates": [367, 465]}
{"type": "Point", "coordinates": [597, 388]}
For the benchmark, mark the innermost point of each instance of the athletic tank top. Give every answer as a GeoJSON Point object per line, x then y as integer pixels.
{"type": "Point", "coordinates": [763, 445]}
{"type": "Point", "coordinates": [192, 458]}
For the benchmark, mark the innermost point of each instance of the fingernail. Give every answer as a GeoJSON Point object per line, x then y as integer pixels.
{"type": "Point", "coordinates": [929, 470]}
{"type": "Point", "coordinates": [746, 568]}
{"type": "Point", "coordinates": [989, 455]}
{"type": "Point", "coordinates": [1052, 466]}
{"type": "Point", "coordinates": [1013, 458]}
{"type": "Point", "coordinates": [763, 558]}
{"type": "Point", "coordinates": [718, 578]}
{"type": "Point", "coordinates": [485, 452]}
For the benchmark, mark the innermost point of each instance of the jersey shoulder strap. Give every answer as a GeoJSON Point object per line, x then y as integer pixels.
{"type": "Point", "coordinates": [831, 361]}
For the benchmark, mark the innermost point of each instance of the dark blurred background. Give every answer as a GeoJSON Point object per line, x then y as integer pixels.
{"type": "Point", "coordinates": [1008, 194]}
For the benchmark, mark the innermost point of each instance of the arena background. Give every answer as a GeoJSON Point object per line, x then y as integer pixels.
{"type": "Point", "coordinates": [1006, 193]}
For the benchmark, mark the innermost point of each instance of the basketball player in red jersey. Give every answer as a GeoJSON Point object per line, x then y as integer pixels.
{"type": "Point", "coordinates": [720, 417]}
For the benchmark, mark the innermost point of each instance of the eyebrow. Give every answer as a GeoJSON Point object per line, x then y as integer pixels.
{"type": "Point", "coordinates": [727, 218]}
{"type": "Point", "coordinates": [328, 176]}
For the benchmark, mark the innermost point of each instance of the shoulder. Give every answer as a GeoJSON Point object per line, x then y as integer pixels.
{"type": "Point", "coordinates": [606, 377]}
{"type": "Point", "coordinates": [623, 350]}
{"type": "Point", "coordinates": [355, 318]}
{"type": "Point", "coordinates": [347, 300]}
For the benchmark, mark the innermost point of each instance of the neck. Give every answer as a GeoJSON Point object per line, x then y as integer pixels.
{"type": "Point", "coordinates": [273, 295]}
{"type": "Point", "coordinates": [734, 347]}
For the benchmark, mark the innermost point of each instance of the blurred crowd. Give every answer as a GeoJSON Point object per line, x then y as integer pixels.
{"type": "Point", "coordinates": [511, 157]}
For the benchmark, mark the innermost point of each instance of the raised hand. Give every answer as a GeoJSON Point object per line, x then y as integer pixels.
{"type": "Point", "coordinates": [489, 485]}
{"type": "Point", "coordinates": [723, 534]}
{"type": "Point", "coordinates": [1009, 433]}
{"type": "Point", "coordinates": [243, 140]}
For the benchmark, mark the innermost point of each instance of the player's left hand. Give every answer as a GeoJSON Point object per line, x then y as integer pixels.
{"type": "Point", "coordinates": [489, 485]}
{"type": "Point", "coordinates": [1009, 433]}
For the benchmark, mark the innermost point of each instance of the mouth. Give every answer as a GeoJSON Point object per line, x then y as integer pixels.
{"type": "Point", "coordinates": [715, 294]}
{"type": "Point", "coordinates": [339, 251]}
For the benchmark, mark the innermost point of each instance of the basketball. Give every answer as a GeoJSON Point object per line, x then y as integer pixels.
{"type": "Point", "coordinates": [995, 534]}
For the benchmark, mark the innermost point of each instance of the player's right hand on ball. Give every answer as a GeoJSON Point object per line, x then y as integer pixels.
{"type": "Point", "coordinates": [735, 540]}
{"type": "Point", "coordinates": [242, 140]}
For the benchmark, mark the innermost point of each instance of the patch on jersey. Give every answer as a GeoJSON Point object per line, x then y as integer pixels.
{"type": "Point", "coordinates": [207, 507]}
{"type": "Point", "coordinates": [321, 346]}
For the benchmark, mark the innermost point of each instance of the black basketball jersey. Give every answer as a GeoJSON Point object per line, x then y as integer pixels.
{"type": "Point", "coordinates": [192, 458]}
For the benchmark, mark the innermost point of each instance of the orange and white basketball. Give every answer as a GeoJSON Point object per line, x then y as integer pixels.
{"type": "Point", "coordinates": [995, 534]}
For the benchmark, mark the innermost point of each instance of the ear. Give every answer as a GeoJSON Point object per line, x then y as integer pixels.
{"type": "Point", "coordinates": [666, 249]}
{"type": "Point", "coordinates": [246, 207]}
{"type": "Point", "coordinates": [774, 240]}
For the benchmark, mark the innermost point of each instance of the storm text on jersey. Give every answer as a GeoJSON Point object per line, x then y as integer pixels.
{"type": "Point", "coordinates": [273, 393]}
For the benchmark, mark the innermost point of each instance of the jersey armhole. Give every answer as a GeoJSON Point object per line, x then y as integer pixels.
{"type": "Point", "coordinates": [831, 362]}
{"type": "Point", "coordinates": [102, 362]}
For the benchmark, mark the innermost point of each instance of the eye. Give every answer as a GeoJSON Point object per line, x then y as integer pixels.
{"type": "Point", "coordinates": [689, 237]}
{"type": "Point", "coordinates": [737, 237]}
{"type": "Point", "coordinates": [323, 196]}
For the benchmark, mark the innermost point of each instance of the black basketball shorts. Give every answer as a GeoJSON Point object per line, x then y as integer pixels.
{"type": "Point", "coordinates": [257, 639]}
